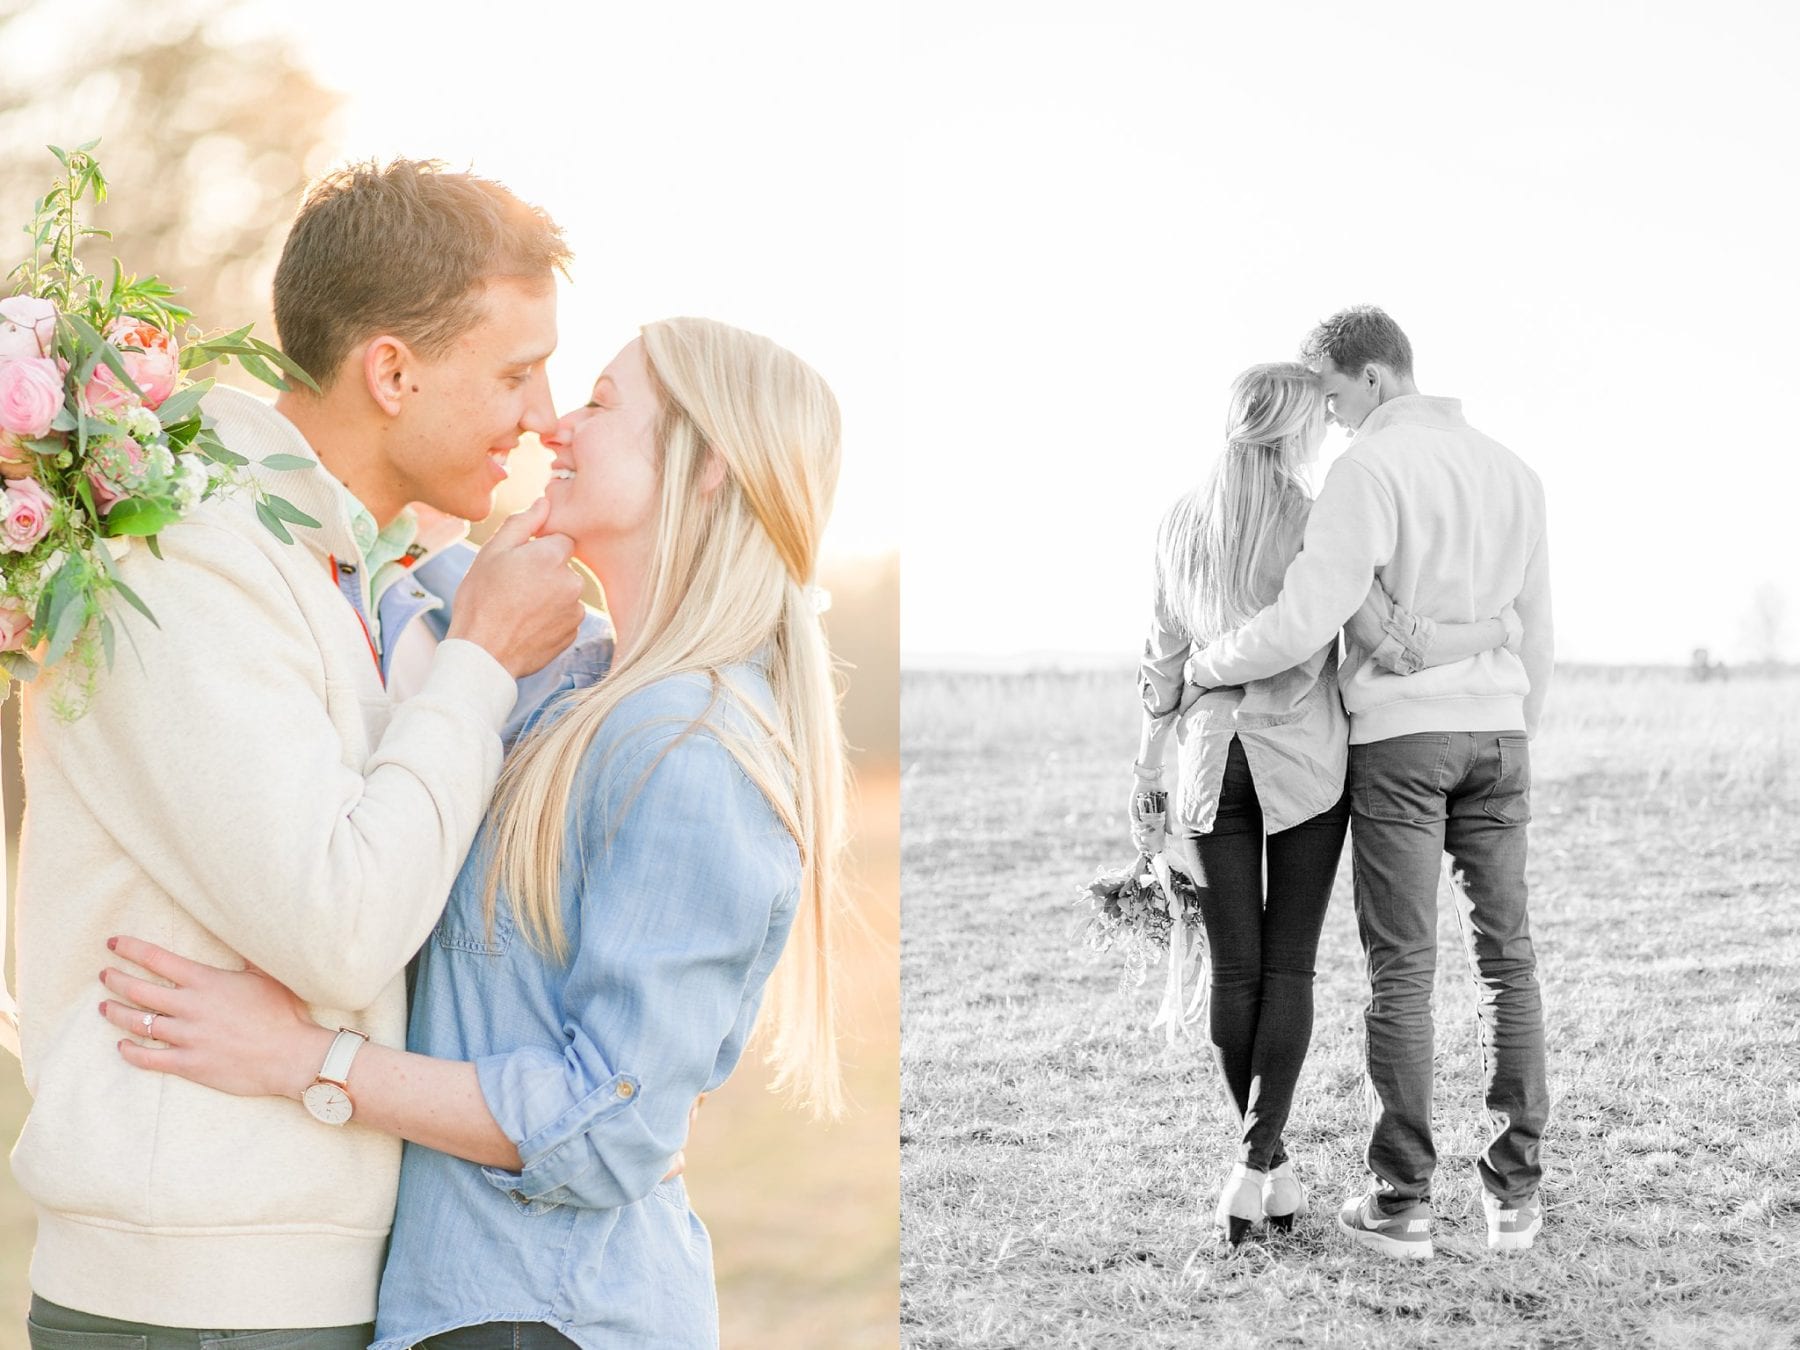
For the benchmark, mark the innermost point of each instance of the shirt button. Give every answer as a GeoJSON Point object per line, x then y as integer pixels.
{"type": "Point", "coordinates": [517, 1195]}
{"type": "Point", "coordinates": [625, 1090]}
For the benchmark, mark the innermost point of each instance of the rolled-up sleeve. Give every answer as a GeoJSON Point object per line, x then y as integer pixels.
{"type": "Point", "coordinates": [1168, 644]}
{"type": "Point", "coordinates": [686, 879]}
{"type": "Point", "coordinates": [1395, 638]}
{"type": "Point", "coordinates": [1159, 673]}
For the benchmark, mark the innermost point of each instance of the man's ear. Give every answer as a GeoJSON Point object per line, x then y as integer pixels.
{"type": "Point", "coordinates": [387, 372]}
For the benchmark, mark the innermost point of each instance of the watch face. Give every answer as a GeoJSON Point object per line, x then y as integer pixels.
{"type": "Point", "coordinates": [328, 1102]}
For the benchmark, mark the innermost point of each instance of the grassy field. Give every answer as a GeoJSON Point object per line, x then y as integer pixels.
{"type": "Point", "coordinates": [1059, 1164]}
{"type": "Point", "coordinates": [804, 1217]}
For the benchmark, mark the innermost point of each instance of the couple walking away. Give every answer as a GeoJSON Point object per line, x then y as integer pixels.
{"type": "Point", "coordinates": [1426, 548]}
{"type": "Point", "coordinates": [597, 833]}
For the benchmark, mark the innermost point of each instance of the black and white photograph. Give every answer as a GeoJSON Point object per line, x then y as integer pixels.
{"type": "Point", "coordinates": [1349, 733]}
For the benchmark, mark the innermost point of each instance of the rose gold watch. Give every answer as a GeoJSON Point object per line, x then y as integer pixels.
{"type": "Point", "coordinates": [328, 1097]}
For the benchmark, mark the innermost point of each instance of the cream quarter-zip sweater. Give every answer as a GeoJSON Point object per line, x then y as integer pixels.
{"type": "Point", "coordinates": [1452, 524]}
{"type": "Point", "coordinates": [240, 790]}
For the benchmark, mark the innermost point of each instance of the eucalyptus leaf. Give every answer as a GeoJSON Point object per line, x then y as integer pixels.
{"type": "Point", "coordinates": [179, 405]}
{"type": "Point", "coordinates": [108, 640]}
{"type": "Point", "coordinates": [214, 450]}
{"type": "Point", "coordinates": [285, 361]}
{"type": "Point", "coordinates": [262, 370]}
{"type": "Point", "coordinates": [155, 548]}
{"type": "Point", "coordinates": [286, 462]}
{"type": "Point", "coordinates": [273, 523]}
{"type": "Point", "coordinates": [288, 511]}
{"type": "Point", "coordinates": [18, 665]}
{"type": "Point", "coordinates": [131, 598]}
{"type": "Point", "coordinates": [107, 564]}
{"type": "Point", "coordinates": [68, 627]}
{"type": "Point", "coordinates": [63, 588]}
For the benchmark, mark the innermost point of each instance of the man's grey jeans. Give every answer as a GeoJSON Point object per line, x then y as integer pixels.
{"type": "Point", "coordinates": [50, 1326]}
{"type": "Point", "coordinates": [1414, 798]}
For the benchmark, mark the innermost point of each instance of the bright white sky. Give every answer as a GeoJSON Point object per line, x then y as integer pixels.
{"type": "Point", "coordinates": [1030, 247]}
{"type": "Point", "coordinates": [1582, 214]}
{"type": "Point", "coordinates": [699, 161]}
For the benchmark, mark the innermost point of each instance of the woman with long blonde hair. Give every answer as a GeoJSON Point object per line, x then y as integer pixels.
{"type": "Point", "coordinates": [1262, 767]}
{"type": "Point", "coordinates": [658, 838]}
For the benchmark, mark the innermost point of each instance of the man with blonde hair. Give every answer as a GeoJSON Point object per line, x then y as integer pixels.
{"type": "Point", "coordinates": [251, 788]}
{"type": "Point", "coordinates": [1452, 524]}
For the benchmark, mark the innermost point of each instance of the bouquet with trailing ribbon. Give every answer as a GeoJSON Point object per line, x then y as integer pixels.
{"type": "Point", "coordinates": [1146, 912]}
{"type": "Point", "coordinates": [103, 440]}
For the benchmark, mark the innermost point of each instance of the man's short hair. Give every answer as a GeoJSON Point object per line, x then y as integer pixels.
{"type": "Point", "coordinates": [1354, 337]}
{"type": "Point", "coordinates": [402, 248]}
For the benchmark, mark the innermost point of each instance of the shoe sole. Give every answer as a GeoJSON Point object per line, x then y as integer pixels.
{"type": "Point", "coordinates": [1515, 1242]}
{"type": "Point", "coordinates": [1387, 1246]}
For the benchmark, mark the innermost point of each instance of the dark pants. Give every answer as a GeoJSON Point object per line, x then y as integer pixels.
{"type": "Point", "coordinates": [1262, 951]}
{"type": "Point", "coordinates": [1415, 798]}
{"type": "Point", "coordinates": [499, 1336]}
{"type": "Point", "coordinates": [50, 1326]}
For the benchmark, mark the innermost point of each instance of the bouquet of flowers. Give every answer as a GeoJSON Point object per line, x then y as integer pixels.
{"type": "Point", "coordinates": [102, 438]}
{"type": "Point", "coordinates": [1143, 912]}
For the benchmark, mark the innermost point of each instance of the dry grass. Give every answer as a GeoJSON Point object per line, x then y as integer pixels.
{"type": "Point", "coordinates": [804, 1217]}
{"type": "Point", "coordinates": [1058, 1164]}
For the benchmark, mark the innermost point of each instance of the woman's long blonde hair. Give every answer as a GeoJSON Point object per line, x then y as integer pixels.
{"type": "Point", "coordinates": [1212, 544]}
{"type": "Point", "coordinates": [731, 574]}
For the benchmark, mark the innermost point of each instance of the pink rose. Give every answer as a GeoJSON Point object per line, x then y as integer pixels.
{"type": "Point", "coordinates": [105, 494]}
{"type": "Point", "coordinates": [31, 394]}
{"type": "Point", "coordinates": [155, 367]}
{"type": "Point", "coordinates": [15, 623]}
{"type": "Point", "coordinates": [27, 327]}
{"type": "Point", "coordinates": [27, 517]}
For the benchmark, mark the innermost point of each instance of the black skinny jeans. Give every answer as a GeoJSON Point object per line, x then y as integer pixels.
{"type": "Point", "coordinates": [1262, 953]}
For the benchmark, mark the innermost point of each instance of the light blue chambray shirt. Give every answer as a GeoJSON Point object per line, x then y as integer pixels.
{"type": "Point", "coordinates": [677, 898]}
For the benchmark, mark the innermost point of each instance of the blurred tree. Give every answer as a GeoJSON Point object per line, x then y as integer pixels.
{"type": "Point", "coordinates": [1766, 623]}
{"type": "Point", "coordinates": [209, 128]}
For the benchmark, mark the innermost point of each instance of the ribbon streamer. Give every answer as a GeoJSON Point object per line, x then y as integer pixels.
{"type": "Point", "coordinates": [1171, 1015]}
{"type": "Point", "coordinates": [9, 1010]}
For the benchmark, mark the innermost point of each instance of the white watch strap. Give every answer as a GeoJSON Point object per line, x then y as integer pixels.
{"type": "Point", "coordinates": [336, 1068]}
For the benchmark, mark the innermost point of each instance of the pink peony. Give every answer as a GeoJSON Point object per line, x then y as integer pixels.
{"type": "Point", "coordinates": [31, 394]}
{"type": "Point", "coordinates": [105, 494]}
{"type": "Point", "coordinates": [15, 623]}
{"type": "Point", "coordinates": [27, 518]}
{"type": "Point", "coordinates": [155, 368]}
{"type": "Point", "coordinates": [105, 392]}
{"type": "Point", "coordinates": [27, 327]}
